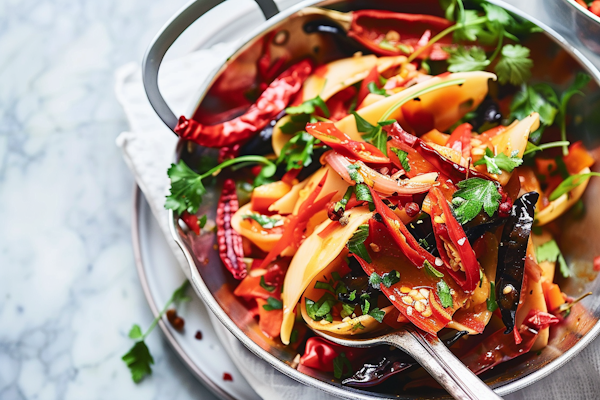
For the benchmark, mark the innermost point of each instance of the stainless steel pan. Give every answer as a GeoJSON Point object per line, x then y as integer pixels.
{"type": "Point", "coordinates": [283, 35]}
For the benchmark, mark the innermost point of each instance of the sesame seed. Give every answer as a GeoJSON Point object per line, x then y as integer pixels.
{"type": "Point", "coordinates": [462, 241]}
{"type": "Point", "coordinates": [438, 262]}
{"type": "Point", "coordinates": [407, 300]}
{"type": "Point", "coordinates": [409, 310]}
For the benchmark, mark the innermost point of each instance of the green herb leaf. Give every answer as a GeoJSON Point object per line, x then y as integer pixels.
{"type": "Point", "coordinates": [202, 221]}
{"type": "Point", "coordinates": [347, 310]}
{"type": "Point", "coordinates": [372, 133]}
{"type": "Point", "coordinates": [135, 332]}
{"type": "Point", "coordinates": [273, 304]}
{"type": "Point", "coordinates": [515, 65]}
{"type": "Point", "coordinates": [530, 100]}
{"type": "Point", "coordinates": [499, 162]}
{"type": "Point", "coordinates": [363, 193]}
{"type": "Point", "coordinates": [463, 59]}
{"type": "Point", "coordinates": [298, 151]}
{"type": "Point", "coordinates": [353, 172]}
{"type": "Point", "coordinates": [430, 269]}
{"type": "Point", "coordinates": [443, 292]}
{"type": "Point", "coordinates": [375, 90]}
{"type": "Point", "coordinates": [570, 183]}
{"type": "Point", "coordinates": [356, 244]}
{"type": "Point", "coordinates": [263, 284]}
{"type": "Point", "coordinates": [469, 30]}
{"type": "Point", "coordinates": [473, 195]}
{"type": "Point", "coordinates": [324, 286]}
{"type": "Point", "coordinates": [390, 278]}
{"type": "Point", "coordinates": [294, 336]}
{"type": "Point", "coordinates": [342, 368]}
{"type": "Point", "coordinates": [186, 189]}
{"type": "Point", "coordinates": [352, 295]}
{"type": "Point", "coordinates": [550, 251]}
{"type": "Point", "coordinates": [377, 314]}
{"type": "Point", "coordinates": [366, 305]}
{"type": "Point", "coordinates": [491, 301]}
{"type": "Point", "coordinates": [322, 308]}
{"type": "Point", "coordinates": [336, 276]}
{"type": "Point", "coordinates": [264, 221]}
{"type": "Point", "coordinates": [358, 326]}
{"type": "Point", "coordinates": [309, 107]}
{"type": "Point", "coordinates": [403, 157]}
{"type": "Point", "coordinates": [139, 359]}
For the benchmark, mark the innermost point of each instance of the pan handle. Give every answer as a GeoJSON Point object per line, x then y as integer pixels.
{"type": "Point", "coordinates": [166, 37]}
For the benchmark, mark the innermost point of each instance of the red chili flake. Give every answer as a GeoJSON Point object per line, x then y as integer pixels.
{"type": "Point", "coordinates": [597, 263]}
{"type": "Point", "coordinates": [227, 376]}
{"type": "Point", "coordinates": [198, 335]}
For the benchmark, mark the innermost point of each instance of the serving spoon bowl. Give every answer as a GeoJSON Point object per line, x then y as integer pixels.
{"type": "Point", "coordinates": [429, 351]}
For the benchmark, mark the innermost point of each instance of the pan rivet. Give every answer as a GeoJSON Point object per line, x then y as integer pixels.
{"type": "Point", "coordinates": [281, 38]}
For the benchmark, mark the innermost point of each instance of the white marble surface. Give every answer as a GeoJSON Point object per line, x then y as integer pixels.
{"type": "Point", "coordinates": [69, 291]}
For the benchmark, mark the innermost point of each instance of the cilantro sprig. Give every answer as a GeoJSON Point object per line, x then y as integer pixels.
{"type": "Point", "coordinates": [403, 157]}
{"type": "Point", "coordinates": [443, 291]}
{"type": "Point", "coordinates": [570, 183]}
{"type": "Point", "coordinates": [187, 187]}
{"type": "Point", "coordinates": [550, 251]}
{"type": "Point", "coordinates": [388, 279]}
{"type": "Point", "coordinates": [138, 359]}
{"type": "Point", "coordinates": [473, 195]}
{"type": "Point", "coordinates": [496, 163]}
{"type": "Point", "coordinates": [356, 244]}
{"type": "Point", "coordinates": [264, 221]}
{"type": "Point", "coordinates": [309, 107]}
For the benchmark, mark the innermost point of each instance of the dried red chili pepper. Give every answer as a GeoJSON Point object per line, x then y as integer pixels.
{"type": "Point", "coordinates": [364, 91]}
{"type": "Point", "coordinates": [191, 220]}
{"type": "Point", "coordinates": [397, 31]}
{"type": "Point", "coordinates": [271, 102]}
{"type": "Point", "coordinates": [460, 139]}
{"type": "Point", "coordinates": [231, 250]}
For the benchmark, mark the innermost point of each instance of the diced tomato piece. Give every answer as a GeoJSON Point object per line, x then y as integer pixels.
{"type": "Point", "coordinates": [269, 320]}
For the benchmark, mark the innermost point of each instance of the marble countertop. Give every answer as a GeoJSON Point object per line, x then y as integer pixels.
{"type": "Point", "coordinates": [69, 291]}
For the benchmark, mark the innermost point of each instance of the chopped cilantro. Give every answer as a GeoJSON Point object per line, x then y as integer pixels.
{"type": "Point", "coordinates": [550, 251]}
{"type": "Point", "coordinates": [430, 269]}
{"type": "Point", "coordinates": [273, 304]}
{"type": "Point", "coordinates": [356, 244]}
{"type": "Point", "coordinates": [499, 162]}
{"type": "Point", "coordinates": [324, 286]}
{"type": "Point", "coordinates": [363, 193]}
{"type": "Point", "coordinates": [298, 151]}
{"type": "Point", "coordinates": [321, 309]}
{"type": "Point", "coordinates": [309, 107]}
{"type": "Point", "coordinates": [341, 205]}
{"type": "Point", "coordinates": [403, 157]}
{"type": "Point", "coordinates": [473, 195]}
{"type": "Point", "coordinates": [372, 133]}
{"type": "Point", "coordinates": [491, 301]}
{"type": "Point", "coordinates": [264, 221]}
{"type": "Point", "coordinates": [375, 90]}
{"type": "Point", "coordinates": [515, 66]}
{"type": "Point", "coordinates": [443, 292]}
{"type": "Point", "coordinates": [263, 284]}
{"type": "Point", "coordinates": [388, 279]}
{"type": "Point", "coordinates": [377, 314]}
{"type": "Point", "coordinates": [352, 295]}
{"type": "Point", "coordinates": [342, 367]}
{"type": "Point", "coordinates": [347, 310]}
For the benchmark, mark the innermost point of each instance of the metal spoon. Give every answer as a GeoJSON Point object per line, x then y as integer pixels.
{"type": "Point", "coordinates": [432, 355]}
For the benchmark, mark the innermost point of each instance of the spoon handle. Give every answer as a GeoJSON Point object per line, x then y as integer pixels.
{"type": "Point", "coordinates": [442, 365]}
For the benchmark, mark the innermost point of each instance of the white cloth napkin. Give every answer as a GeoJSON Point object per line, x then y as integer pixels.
{"type": "Point", "coordinates": [148, 149]}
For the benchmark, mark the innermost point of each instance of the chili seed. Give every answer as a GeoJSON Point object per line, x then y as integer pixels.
{"type": "Point", "coordinates": [407, 300]}
{"type": "Point", "coordinates": [405, 289]}
{"type": "Point", "coordinates": [413, 293]}
{"type": "Point", "coordinates": [424, 293]}
{"type": "Point", "coordinates": [427, 312]}
{"type": "Point", "coordinates": [409, 310]}
{"type": "Point", "coordinates": [419, 306]}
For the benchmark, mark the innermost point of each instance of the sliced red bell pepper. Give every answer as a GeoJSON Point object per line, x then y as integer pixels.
{"type": "Point", "coordinates": [388, 33]}
{"type": "Point", "coordinates": [418, 165]}
{"type": "Point", "coordinates": [405, 240]}
{"type": "Point", "coordinates": [327, 133]}
{"type": "Point", "coordinates": [364, 91]}
{"type": "Point", "coordinates": [449, 235]}
{"type": "Point", "coordinates": [320, 353]}
{"type": "Point", "coordinates": [460, 139]}
{"type": "Point", "coordinates": [452, 170]}
{"type": "Point", "coordinates": [191, 220]}
{"type": "Point", "coordinates": [271, 102]}
{"type": "Point", "coordinates": [340, 103]}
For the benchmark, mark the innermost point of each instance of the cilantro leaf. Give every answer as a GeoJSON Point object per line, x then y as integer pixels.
{"type": "Point", "coordinates": [550, 251]}
{"type": "Point", "coordinates": [375, 280]}
{"type": "Point", "coordinates": [431, 271]}
{"type": "Point", "coordinates": [491, 301]}
{"type": "Point", "coordinates": [324, 286]}
{"type": "Point", "coordinates": [403, 157]}
{"type": "Point", "coordinates": [499, 162]}
{"type": "Point", "coordinates": [463, 59]}
{"type": "Point", "coordinates": [298, 151]}
{"type": "Point", "coordinates": [347, 310]}
{"type": "Point", "coordinates": [309, 107]}
{"type": "Point", "coordinates": [341, 364]}
{"type": "Point", "coordinates": [353, 173]}
{"type": "Point", "coordinates": [515, 65]}
{"type": "Point", "coordinates": [443, 292]}
{"type": "Point", "coordinates": [273, 304]}
{"type": "Point", "coordinates": [570, 183]}
{"type": "Point", "coordinates": [356, 244]}
{"type": "Point", "coordinates": [377, 314]}
{"type": "Point", "coordinates": [390, 278]}
{"type": "Point", "coordinates": [186, 189]}
{"type": "Point", "coordinates": [264, 221]}
{"type": "Point", "coordinates": [374, 134]}
{"type": "Point", "coordinates": [469, 28]}
{"type": "Point", "coordinates": [363, 193]}
{"type": "Point", "coordinates": [375, 90]}
{"type": "Point", "coordinates": [263, 284]}
{"type": "Point", "coordinates": [352, 295]}
{"type": "Point", "coordinates": [530, 100]}
{"type": "Point", "coordinates": [321, 309]}
{"type": "Point", "coordinates": [135, 332]}
{"type": "Point", "coordinates": [473, 195]}
{"type": "Point", "coordinates": [139, 359]}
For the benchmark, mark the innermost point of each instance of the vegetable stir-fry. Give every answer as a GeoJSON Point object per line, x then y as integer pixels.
{"type": "Point", "coordinates": [391, 195]}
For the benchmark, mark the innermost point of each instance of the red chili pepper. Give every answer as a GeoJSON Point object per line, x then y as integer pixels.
{"type": "Point", "coordinates": [451, 233]}
{"type": "Point", "coordinates": [460, 139]}
{"type": "Point", "coordinates": [418, 164]}
{"type": "Point", "coordinates": [405, 240]}
{"type": "Point", "coordinates": [327, 133]}
{"type": "Point", "coordinates": [231, 250]}
{"type": "Point", "coordinates": [500, 347]}
{"type": "Point", "coordinates": [320, 353]}
{"type": "Point", "coordinates": [297, 223]}
{"type": "Point", "coordinates": [340, 103]}
{"type": "Point", "coordinates": [454, 171]}
{"type": "Point", "coordinates": [271, 102]}
{"type": "Point", "coordinates": [373, 76]}
{"type": "Point", "coordinates": [269, 321]}
{"type": "Point", "coordinates": [372, 27]}
{"type": "Point", "coordinates": [191, 221]}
